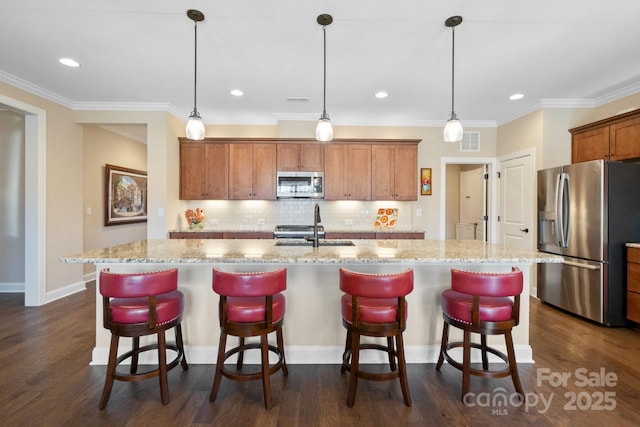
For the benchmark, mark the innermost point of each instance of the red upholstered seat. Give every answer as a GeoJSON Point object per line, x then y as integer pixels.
{"type": "Point", "coordinates": [374, 305]}
{"type": "Point", "coordinates": [252, 309]}
{"type": "Point", "coordinates": [459, 306]}
{"type": "Point", "coordinates": [485, 304]}
{"type": "Point", "coordinates": [372, 310]}
{"type": "Point", "coordinates": [135, 305]}
{"type": "Point", "coordinates": [251, 305]}
{"type": "Point", "coordinates": [169, 306]}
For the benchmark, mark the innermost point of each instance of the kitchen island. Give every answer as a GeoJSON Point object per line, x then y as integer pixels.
{"type": "Point", "coordinates": [313, 328]}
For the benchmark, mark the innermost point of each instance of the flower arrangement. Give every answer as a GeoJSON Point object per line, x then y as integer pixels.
{"type": "Point", "coordinates": [195, 218]}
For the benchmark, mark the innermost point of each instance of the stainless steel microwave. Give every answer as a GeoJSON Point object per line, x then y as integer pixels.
{"type": "Point", "coordinates": [301, 185]}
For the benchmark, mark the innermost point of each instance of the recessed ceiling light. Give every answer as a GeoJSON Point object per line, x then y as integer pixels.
{"type": "Point", "coordinates": [381, 94]}
{"type": "Point", "coordinates": [69, 62]}
{"type": "Point", "coordinates": [516, 96]}
{"type": "Point", "coordinates": [236, 92]}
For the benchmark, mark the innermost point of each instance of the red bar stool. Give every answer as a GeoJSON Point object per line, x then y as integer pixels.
{"type": "Point", "coordinates": [487, 304]}
{"type": "Point", "coordinates": [136, 305]}
{"type": "Point", "coordinates": [251, 305]}
{"type": "Point", "coordinates": [374, 305]}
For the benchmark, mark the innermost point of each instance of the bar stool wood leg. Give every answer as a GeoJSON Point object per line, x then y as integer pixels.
{"type": "Point", "coordinates": [266, 378]}
{"type": "Point", "coordinates": [111, 369]}
{"type": "Point", "coordinates": [222, 344]}
{"type": "Point", "coordinates": [162, 362]}
{"type": "Point", "coordinates": [354, 369]}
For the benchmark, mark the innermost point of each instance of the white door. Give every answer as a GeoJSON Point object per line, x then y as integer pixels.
{"type": "Point", "coordinates": [471, 195]}
{"type": "Point", "coordinates": [517, 203]}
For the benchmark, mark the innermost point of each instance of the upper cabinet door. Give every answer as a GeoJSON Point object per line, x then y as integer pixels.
{"type": "Point", "coordinates": [301, 157]}
{"type": "Point", "coordinates": [347, 172]}
{"type": "Point", "coordinates": [252, 172]}
{"type": "Point", "coordinates": [241, 172]}
{"type": "Point", "coordinates": [590, 145]}
{"type": "Point", "coordinates": [405, 178]}
{"type": "Point", "coordinates": [312, 157]}
{"type": "Point", "coordinates": [203, 171]}
{"type": "Point", "coordinates": [394, 172]}
{"type": "Point", "coordinates": [264, 171]}
{"type": "Point", "coordinates": [625, 139]}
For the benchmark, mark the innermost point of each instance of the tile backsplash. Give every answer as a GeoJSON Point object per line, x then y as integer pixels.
{"type": "Point", "coordinates": [265, 215]}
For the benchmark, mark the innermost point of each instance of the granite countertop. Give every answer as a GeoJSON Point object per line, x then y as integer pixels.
{"type": "Point", "coordinates": [268, 230]}
{"type": "Point", "coordinates": [181, 251]}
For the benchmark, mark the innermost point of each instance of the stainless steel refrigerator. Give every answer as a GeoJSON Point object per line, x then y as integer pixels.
{"type": "Point", "coordinates": [586, 213]}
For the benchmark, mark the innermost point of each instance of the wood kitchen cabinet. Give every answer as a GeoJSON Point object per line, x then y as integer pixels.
{"type": "Point", "coordinates": [615, 138]}
{"type": "Point", "coordinates": [245, 168]}
{"type": "Point", "coordinates": [395, 172]}
{"type": "Point", "coordinates": [252, 172]}
{"type": "Point", "coordinates": [633, 284]}
{"type": "Point", "coordinates": [347, 172]}
{"type": "Point", "coordinates": [307, 157]}
{"type": "Point", "coordinates": [203, 171]}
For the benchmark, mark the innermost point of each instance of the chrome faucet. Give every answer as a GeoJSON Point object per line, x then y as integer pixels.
{"type": "Point", "coordinates": [316, 220]}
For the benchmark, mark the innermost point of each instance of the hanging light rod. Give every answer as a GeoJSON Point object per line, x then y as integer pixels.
{"type": "Point", "coordinates": [195, 126]}
{"type": "Point", "coordinates": [324, 130]}
{"type": "Point", "coordinates": [453, 130]}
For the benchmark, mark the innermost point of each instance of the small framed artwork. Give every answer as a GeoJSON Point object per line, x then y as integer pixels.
{"type": "Point", "coordinates": [125, 197]}
{"type": "Point", "coordinates": [425, 181]}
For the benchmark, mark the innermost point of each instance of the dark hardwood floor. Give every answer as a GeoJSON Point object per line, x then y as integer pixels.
{"type": "Point", "coordinates": [46, 380]}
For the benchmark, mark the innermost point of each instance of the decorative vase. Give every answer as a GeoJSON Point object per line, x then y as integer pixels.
{"type": "Point", "coordinates": [195, 225]}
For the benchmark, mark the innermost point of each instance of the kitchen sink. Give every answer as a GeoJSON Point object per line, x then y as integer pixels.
{"type": "Point", "coordinates": [322, 242]}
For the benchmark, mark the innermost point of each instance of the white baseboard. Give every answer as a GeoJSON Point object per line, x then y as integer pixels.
{"type": "Point", "coordinates": [307, 355]}
{"type": "Point", "coordinates": [66, 291]}
{"type": "Point", "coordinates": [9, 287]}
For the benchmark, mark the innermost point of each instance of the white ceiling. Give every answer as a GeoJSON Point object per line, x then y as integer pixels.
{"type": "Point", "coordinates": [139, 55]}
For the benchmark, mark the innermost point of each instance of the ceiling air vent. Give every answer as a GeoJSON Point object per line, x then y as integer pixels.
{"type": "Point", "coordinates": [470, 141]}
{"type": "Point", "coordinates": [297, 99]}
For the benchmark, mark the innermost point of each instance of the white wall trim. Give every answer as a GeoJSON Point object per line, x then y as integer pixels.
{"type": "Point", "coordinates": [66, 291]}
{"type": "Point", "coordinates": [11, 287]}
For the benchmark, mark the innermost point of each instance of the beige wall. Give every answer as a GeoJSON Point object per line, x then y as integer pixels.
{"type": "Point", "coordinates": [104, 147]}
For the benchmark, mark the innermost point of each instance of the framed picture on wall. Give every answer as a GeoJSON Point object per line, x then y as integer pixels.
{"type": "Point", "coordinates": [125, 198]}
{"type": "Point", "coordinates": [425, 181]}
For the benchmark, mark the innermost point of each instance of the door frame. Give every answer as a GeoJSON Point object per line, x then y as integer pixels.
{"type": "Point", "coordinates": [35, 200]}
{"type": "Point", "coordinates": [492, 207]}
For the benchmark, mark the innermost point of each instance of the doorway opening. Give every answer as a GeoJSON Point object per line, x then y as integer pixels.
{"type": "Point", "coordinates": [34, 200]}
{"type": "Point", "coordinates": [467, 203]}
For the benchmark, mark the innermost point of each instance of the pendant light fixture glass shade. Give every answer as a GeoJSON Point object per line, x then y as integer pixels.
{"type": "Point", "coordinates": [195, 126]}
{"type": "Point", "coordinates": [324, 130]}
{"type": "Point", "coordinates": [453, 130]}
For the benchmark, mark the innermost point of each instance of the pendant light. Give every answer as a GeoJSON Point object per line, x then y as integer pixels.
{"type": "Point", "coordinates": [453, 130]}
{"type": "Point", "coordinates": [324, 130]}
{"type": "Point", "coordinates": [195, 126]}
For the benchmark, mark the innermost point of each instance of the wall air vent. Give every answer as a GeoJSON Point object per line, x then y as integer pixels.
{"type": "Point", "coordinates": [470, 141]}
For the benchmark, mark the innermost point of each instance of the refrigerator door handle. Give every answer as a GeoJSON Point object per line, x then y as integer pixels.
{"type": "Point", "coordinates": [558, 221]}
{"type": "Point", "coordinates": [575, 264]}
{"type": "Point", "coordinates": [562, 209]}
